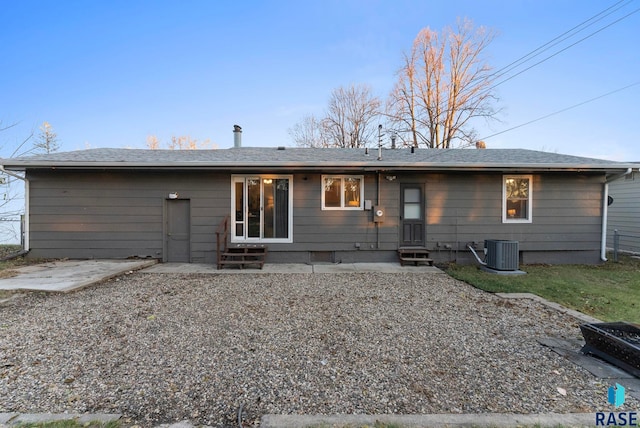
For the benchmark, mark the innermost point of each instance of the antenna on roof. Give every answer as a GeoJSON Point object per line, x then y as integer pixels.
{"type": "Point", "coordinates": [379, 142]}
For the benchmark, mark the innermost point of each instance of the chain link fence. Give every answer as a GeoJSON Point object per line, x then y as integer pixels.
{"type": "Point", "coordinates": [12, 230]}
{"type": "Point", "coordinates": [616, 243]}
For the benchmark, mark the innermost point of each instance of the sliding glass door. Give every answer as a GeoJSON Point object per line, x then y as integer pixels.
{"type": "Point", "coordinates": [262, 208]}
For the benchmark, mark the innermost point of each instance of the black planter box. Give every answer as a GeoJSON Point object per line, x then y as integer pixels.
{"type": "Point", "coordinates": [615, 342]}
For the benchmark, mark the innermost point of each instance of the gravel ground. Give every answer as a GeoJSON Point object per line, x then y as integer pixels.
{"type": "Point", "coordinates": [161, 348]}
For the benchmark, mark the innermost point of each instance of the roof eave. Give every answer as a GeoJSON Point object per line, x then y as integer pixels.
{"type": "Point", "coordinates": [319, 166]}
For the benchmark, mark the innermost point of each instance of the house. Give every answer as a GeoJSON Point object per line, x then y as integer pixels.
{"type": "Point", "coordinates": [311, 205]}
{"type": "Point", "coordinates": [624, 213]}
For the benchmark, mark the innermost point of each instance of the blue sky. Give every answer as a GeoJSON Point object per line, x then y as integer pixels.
{"type": "Point", "coordinates": [110, 73]}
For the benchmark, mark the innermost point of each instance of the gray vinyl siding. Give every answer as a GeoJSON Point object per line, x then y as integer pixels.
{"type": "Point", "coordinates": [624, 213]}
{"type": "Point", "coordinates": [79, 214]}
{"type": "Point", "coordinates": [566, 214]}
{"type": "Point", "coordinates": [119, 214]}
{"type": "Point", "coordinates": [334, 230]}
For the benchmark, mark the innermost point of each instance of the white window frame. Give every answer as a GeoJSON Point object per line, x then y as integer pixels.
{"type": "Point", "coordinates": [342, 201]}
{"type": "Point", "coordinates": [505, 217]}
{"type": "Point", "coordinates": [235, 178]}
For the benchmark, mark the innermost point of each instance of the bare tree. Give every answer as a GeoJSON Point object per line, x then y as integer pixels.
{"type": "Point", "coordinates": [18, 151]}
{"type": "Point", "coordinates": [183, 142]}
{"type": "Point", "coordinates": [309, 132]}
{"type": "Point", "coordinates": [152, 142]}
{"type": "Point", "coordinates": [11, 207]}
{"type": "Point", "coordinates": [5, 127]}
{"type": "Point", "coordinates": [12, 190]}
{"type": "Point", "coordinates": [47, 140]}
{"type": "Point", "coordinates": [443, 85]}
{"type": "Point", "coordinates": [350, 117]}
{"type": "Point", "coordinates": [12, 195]}
{"type": "Point", "coordinates": [350, 121]}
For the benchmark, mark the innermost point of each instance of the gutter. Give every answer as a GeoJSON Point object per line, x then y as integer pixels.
{"type": "Point", "coordinates": [25, 248]}
{"type": "Point", "coordinates": [238, 164]}
{"type": "Point", "coordinates": [605, 211]}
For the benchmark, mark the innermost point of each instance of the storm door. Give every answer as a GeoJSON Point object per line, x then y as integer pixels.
{"type": "Point", "coordinates": [178, 230]}
{"type": "Point", "coordinates": [411, 215]}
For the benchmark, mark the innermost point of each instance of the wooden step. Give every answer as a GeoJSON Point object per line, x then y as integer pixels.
{"type": "Point", "coordinates": [241, 263]}
{"type": "Point", "coordinates": [257, 255]}
{"type": "Point", "coordinates": [247, 250]}
{"type": "Point", "coordinates": [415, 260]}
{"type": "Point", "coordinates": [413, 250]}
{"type": "Point", "coordinates": [414, 255]}
{"type": "Point", "coordinates": [243, 256]}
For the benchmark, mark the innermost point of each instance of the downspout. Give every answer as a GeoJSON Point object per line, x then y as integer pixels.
{"type": "Point", "coordinates": [605, 211]}
{"type": "Point", "coordinates": [26, 204]}
{"type": "Point", "coordinates": [378, 179]}
{"type": "Point", "coordinates": [378, 203]}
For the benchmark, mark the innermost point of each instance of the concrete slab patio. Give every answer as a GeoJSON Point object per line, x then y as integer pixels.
{"type": "Point", "coordinates": [492, 420]}
{"type": "Point", "coordinates": [69, 275]}
{"type": "Point", "coordinates": [17, 419]}
{"type": "Point", "coordinates": [292, 268]}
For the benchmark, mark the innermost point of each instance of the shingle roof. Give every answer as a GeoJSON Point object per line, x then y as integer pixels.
{"type": "Point", "coordinates": [261, 158]}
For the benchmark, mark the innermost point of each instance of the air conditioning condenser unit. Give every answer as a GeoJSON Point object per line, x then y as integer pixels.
{"type": "Point", "coordinates": [501, 254]}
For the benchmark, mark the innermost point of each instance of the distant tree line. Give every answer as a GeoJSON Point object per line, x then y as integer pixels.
{"type": "Point", "coordinates": [182, 142]}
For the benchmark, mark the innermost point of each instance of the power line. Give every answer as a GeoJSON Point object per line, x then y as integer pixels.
{"type": "Point", "coordinates": [560, 51]}
{"type": "Point", "coordinates": [569, 33]}
{"type": "Point", "coordinates": [564, 49]}
{"type": "Point", "coordinates": [563, 110]}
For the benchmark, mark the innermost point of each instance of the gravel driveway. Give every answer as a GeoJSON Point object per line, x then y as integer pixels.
{"type": "Point", "coordinates": [168, 347]}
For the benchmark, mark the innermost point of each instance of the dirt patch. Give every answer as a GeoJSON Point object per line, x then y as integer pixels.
{"type": "Point", "coordinates": [9, 273]}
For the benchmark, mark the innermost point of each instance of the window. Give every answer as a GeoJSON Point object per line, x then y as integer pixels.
{"type": "Point", "coordinates": [412, 204]}
{"type": "Point", "coordinates": [342, 192]}
{"type": "Point", "coordinates": [262, 208]}
{"type": "Point", "coordinates": [516, 200]}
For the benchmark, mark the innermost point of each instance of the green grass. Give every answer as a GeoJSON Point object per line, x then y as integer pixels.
{"type": "Point", "coordinates": [610, 291]}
